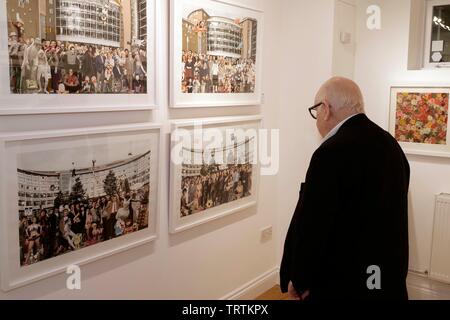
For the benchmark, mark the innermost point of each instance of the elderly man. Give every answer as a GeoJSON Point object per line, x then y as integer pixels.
{"type": "Point", "coordinates": [348, 238]}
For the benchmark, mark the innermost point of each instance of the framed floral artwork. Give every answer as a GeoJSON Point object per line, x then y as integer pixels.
{"type": "Point", "coordinates": [70, 197]}
{"type": "Point", "coordinates": [216, 54]}
{"type": "Point", "coordinates": [419, 119]}
{"type": "Point", "coordinates": [70, 56]}
{"type": "Point", "coordinates": [214, 169]}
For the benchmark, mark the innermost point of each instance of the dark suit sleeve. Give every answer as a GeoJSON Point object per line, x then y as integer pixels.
{"type": "Point", "coordinates": [307, 238]}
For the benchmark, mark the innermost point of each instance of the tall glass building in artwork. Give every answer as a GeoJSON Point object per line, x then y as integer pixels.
{"type": "Point", "coordinates": [222, 36]}
{"type": "Point", "coordinates": [95, 21]}
{"type": "Point", "coordinates": [142, 20]}
{"type": "Point", "coordinates": [38, 190]}
{"type": "Point", "coordinates": [112, 23]}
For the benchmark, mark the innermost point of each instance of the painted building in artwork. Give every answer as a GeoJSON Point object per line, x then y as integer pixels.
{"type": "Point", "coordinates": [241, 153]}
{"type": "Point", "coordinates": [115, 23]}
{"type": "Point", "coordinates": [142, 20]}
{"type": "Point", "coordinates": [189, 170]}
{"type": "Point", "coordinates": [195, 32]}
{"type": "Point", "coordinates": [95, 22]}
{"type": "Point", "coordinates": [249, 38]}
{"type": "Point", "coordinates": [224, 37]}
{"type": "Point", "coordinates": [138, 18]}
{"type": "Point", "coordinates": [27, 18]}
{"type": "Point", "coordinates": [126, 29]}
{"type": "Point", "coordinates": [39, 189]}
{"type": "Point", "coordinates": [50, 22]}
{"type": "Point", "coordinates": [189, 38]}
{"type": "Point", "coordinates": [219, 36]}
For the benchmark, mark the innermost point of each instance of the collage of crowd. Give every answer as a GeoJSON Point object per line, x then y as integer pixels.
{"type": "Point", "coordinates": [74, 223]}
{"type": "Point", "coordinates": [204, 73]}
{"type": "Point", "coordinates": [217, 187]}
{"type": "Point", "coordinates": [50, 66]}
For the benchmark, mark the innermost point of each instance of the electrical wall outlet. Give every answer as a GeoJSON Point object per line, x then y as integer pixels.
{"type": "Point", "coordinates": [345, 37]}
{"type": "Point", "coordinates": [266, 234]}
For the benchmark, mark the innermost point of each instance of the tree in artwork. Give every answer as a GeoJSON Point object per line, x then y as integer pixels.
{"type": "Point", "coordinates": [78, 193]}
{"type": "Point", "coordinates": [110, 184]}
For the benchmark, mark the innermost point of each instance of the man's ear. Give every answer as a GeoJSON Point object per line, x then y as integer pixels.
{"type": "Point", "coordinates": [326, 110]}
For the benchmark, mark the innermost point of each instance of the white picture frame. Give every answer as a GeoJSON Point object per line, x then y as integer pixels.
{"type": "Point", "coordinates": [15, 147]}
{"type": "Point", "coordinates": [177, 223]}
{"type": "Point", "coordinates": [202, 100]}
{"type": "Point", "coordinates": [17, 104]}
{"type": "Point", "coordinates": [418, 146]}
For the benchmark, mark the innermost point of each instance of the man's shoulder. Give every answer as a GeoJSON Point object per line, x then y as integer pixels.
{"type": "Point", "coordinates": [359, 137]}
{"type": "Point", "coordinates": [360, 131]}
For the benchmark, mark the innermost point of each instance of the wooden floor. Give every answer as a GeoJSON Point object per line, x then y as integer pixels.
{"type": "Point", "coordinates": [273, 295]}
{"type": "Point", "coordinates": [419, 288]}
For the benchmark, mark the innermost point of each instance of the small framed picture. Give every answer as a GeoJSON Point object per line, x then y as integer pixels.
{"type": "Point", "coordinates": [71, 197]}
{"type": "Point", "coordinates": [216, 54]}
{"type": "Point", "coordinates": [77, 56]}
{"type": "Point", "coordinates": [214, 169]}
{"type": "Point", "coordinates": [419, 119]}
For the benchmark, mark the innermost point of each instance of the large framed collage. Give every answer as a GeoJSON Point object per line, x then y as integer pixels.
{"type": "Point", "coordinates": [71, 195]}
{"type": "Point", "coordinates": [74, 196]}
{"type": "Point", "coordinates": [60, 56]}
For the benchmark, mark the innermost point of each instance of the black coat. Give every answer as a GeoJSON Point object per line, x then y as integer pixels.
{"type": "Point", "coordinates": [352, 214]}
{"type": "Point", "coordinates": [99, 64]}
{"type": "Point", "coordinates": [88, 68]}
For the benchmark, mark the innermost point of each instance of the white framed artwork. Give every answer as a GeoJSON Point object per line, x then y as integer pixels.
{"type": "Point", "coordinates": [418, 119]}
{"type": "Point", "coordinates": [216, 54]}
{"type": "Point", "coordinates": [77, 56]}
{"type": "Point", "coordinates": [70, 197]}
{"type": "Point", "coordinates": [214, 169]}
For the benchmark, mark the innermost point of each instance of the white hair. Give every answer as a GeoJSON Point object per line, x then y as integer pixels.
{"type": "Point", "coordinates": [343, 95]}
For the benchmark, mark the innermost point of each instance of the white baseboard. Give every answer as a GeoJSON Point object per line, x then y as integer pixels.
{"type": "Point", "coordinates": [256, 287]}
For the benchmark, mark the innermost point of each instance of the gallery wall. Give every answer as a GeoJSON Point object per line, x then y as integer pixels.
{"type": "Point", "coordinates": [307, 50]}
{"type": "Point", "coordinates": [208, 262]}
{"type": "Point", "coordinates": [382, 61]}
{"type": "Point", "coordinates": [344, 44]}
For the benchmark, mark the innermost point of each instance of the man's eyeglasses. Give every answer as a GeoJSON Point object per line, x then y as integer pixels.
{"type": "Point", "coordinates": [313, 110]}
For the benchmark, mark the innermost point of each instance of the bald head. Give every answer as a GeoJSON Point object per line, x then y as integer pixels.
{"type": "Point", "coordinates": [343, 95]}
{"type": "Point", "coordinates": [340, 98]}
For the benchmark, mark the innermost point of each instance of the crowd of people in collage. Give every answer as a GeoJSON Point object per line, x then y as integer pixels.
{"type": "Point", "coordinates": [218, 187]}
{"type": "Point", "coordinates": [213, 74]}
{"type": "Point", "coordinates": [49, 66]}
{"type": "Point", "coordinates": [72, 225]}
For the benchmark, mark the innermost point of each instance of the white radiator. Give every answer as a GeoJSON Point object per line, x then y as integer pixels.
{"type": "Point", "coordinates": [440, 250]}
